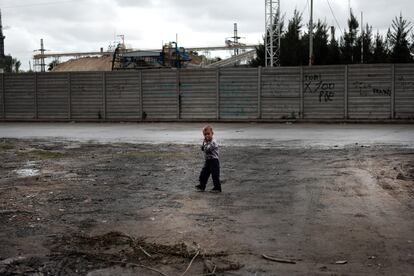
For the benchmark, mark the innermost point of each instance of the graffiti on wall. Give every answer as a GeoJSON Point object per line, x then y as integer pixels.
{"type": "Point", "coordinates": [366, 89]}
{"type": "Point", "coordinates": [405, 84]}
{"type": "Point", "coordinates": [315, 85]}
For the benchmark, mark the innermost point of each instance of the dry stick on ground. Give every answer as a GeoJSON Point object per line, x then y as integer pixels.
{"type": "Point", "coordinates": [278, 260]}
{"type": "Point", "coordinates": [195, 256]}
{"type": "Point", "coordinates": [145, 252]}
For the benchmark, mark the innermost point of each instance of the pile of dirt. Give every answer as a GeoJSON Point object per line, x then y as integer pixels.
{"type": "Point", "coordinates": [103, 63]}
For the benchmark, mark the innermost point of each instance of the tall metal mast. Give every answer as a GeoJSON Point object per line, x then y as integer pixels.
{"type": "Point", "coordinates": [2, 37]}
{"type": "Point", "coordinates": [311, 35]}
{"type": "Point", "coordinates": [272, 33]}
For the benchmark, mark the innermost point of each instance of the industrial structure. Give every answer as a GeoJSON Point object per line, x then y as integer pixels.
{"type": "Point", "coordinates": [39, 63]}
{"type": "Point", "coordinates": [169, 56]}
{"type": "Point", "coordinates": [272, 32]}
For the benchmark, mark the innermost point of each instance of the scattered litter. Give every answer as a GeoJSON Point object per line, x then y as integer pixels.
{"type": "Point", "coordinates": [152, 218]}
{"type": "Point", "coordinates": [278, 259]}
{"type": "Point", "coordinates": [372, 257]}
{"type": "Point", "coordinates": [341, 262]}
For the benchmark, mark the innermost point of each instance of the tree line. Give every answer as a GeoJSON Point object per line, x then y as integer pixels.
{"type": "Point", "coordinates": [396, 46]}
{"type": "Point", "coordinates": [10, 64]}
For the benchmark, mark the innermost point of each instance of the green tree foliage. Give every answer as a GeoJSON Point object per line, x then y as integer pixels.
{"type": "Point", "coordinates": [291, 44]}
{"type": "Point", "coordinates": [320, 44]}
{"type": "Point", "coordinates": [348, 42]}
{"type": "Point", "coordinates": [334, 55]}
{"type": "Point", "coordinates": [6, 64]}
{"type": "Point", "coordinates": [10, 65]}
{"type": "Point", "coordinates": [259, 60]}
{"type": "Point", "coordinates": [53, 64]}
{"type": "Point", "coordinates": [16, 65]}
{"type": "Point", "coordinates": [396, 47]}
{"type": "Point", "coordinates": [381, 51]}
{"type": "Point", "coordinates": [400, 46]}
{"type": "Point", "coordinates": [366, 38]}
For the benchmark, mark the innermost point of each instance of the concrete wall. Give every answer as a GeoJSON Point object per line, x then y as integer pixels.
{"type": "Point", "coordinates": [355, 92]}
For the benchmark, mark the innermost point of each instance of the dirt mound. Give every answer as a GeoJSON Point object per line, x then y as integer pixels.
{"type": "Point", "coordinates": [103, 63]}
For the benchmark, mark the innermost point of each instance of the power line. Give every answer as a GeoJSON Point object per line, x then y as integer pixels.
{"type": "Point", "coordinates": [304, 8]}
{"type": "Point", "coordinates": [333, 14]}
{"type": "Point", "coordinates": [39, 4]}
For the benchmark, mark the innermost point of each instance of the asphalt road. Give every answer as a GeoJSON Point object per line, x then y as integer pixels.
{"type": "Point", "coordinates": [240, 134]}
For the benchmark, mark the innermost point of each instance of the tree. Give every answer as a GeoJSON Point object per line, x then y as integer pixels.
{"type": "Point", "coordinates": [15, 66]}
{"type": "Point", "coordinates": [53, 64]}
{"type": "Point", "coordinates": [320, 43]}
{"type": "Point", "coordinates": [349, 41]}
{"type": "Point", "coordinates": [334, 55]}
{"type": "Point", "coordinates": [400, 47]}
{"type": "Point", "coordinates": [368, 47]}
{"type": "Point", "coordinates": [6, 64]}
{"type": "Point", "coordinates": [412, 44]}
{"type": "Point", "coordinates": [260, 57]}
{"type": "Point", "coordinates": [381, 52]}
{"type": "Point", "coordinates": [291, 44]}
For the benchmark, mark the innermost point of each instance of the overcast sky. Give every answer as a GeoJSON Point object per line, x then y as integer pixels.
{"type": "Point", "coordinates": [87, 25]}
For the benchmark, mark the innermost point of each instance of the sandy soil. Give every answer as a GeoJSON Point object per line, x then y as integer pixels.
{"type": "Point", "coordinates": [78, 208]}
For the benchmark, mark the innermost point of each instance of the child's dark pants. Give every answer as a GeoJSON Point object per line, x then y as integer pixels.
{"type": "Point", "coordinates": [211, 166]}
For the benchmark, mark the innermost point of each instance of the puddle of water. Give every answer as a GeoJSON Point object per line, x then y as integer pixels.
{"type": "Point", "coordinates": [27, 172]}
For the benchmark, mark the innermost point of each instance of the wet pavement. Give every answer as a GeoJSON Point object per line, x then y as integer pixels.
{"type": "Point", "coordinates": [240, 134]}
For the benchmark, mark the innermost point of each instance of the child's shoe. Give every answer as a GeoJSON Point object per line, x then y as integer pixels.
{"type": "Point", "coordinates": [199, 188]}
{"type": "Point", "coordinates": [215, 190]}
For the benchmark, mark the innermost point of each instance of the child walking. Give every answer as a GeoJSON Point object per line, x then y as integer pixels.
{"type": "Point", "coordinates": [211, 163]}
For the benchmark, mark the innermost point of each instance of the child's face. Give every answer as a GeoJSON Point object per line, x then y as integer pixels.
{"type": "Point", "coordinates": [208, 134]}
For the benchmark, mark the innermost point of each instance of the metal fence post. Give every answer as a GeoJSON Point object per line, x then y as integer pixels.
{"type": "Point", "coordinates": [346, 93]}
{"type": "Point", "coordinates": [302, 98]}
{"type": "Point", "coordinates": [104, 104]}
{"type": "Point", "coordinates": [35, 97]}
{"type": "Point", "coordinates": [218, 94]}
{"type": "Point", "coordinates": [393, 92]}
{"type": "Point", "coordinates": [141, 99]}
{"type": "Point", "coordinates": [259, 92]}
{"type": "Point", "coordinates": [3, 88]}
{"type": "Point", "coordinates": [69, 96]}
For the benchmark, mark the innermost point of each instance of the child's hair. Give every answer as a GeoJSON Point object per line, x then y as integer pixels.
{"type": "Point", "coordinates": [208, 127]}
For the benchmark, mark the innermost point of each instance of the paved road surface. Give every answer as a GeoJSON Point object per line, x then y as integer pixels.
{"type": "Point", "coordinates": [279, 135]}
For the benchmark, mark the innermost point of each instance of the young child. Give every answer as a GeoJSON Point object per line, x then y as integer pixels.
{"type": "Point", "coordinates": [211, 163]}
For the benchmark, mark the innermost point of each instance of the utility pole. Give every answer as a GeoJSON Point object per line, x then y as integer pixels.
{"type": "Point", "coordinates": [362, 37]}
{"type": "Point", "coordinates": [42, 59]}
{"type": "Point", "coordinates": [311, 35]}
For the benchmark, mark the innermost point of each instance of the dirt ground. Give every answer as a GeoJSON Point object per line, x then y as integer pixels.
{"type": "Point", "coordinates": [81, 208]}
